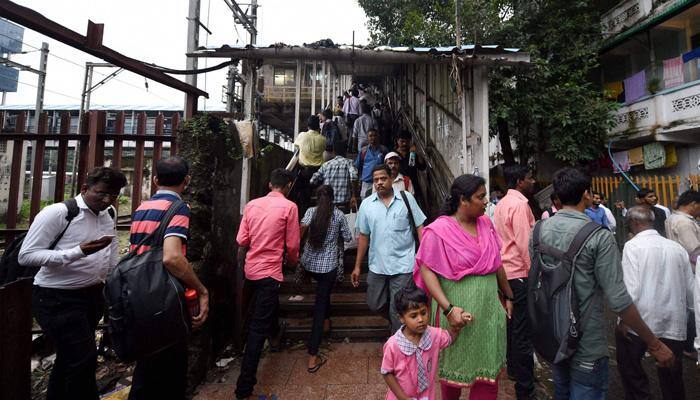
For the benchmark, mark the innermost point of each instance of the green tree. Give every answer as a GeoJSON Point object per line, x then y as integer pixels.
{"type": "Point", "coordinates": [550, 106]}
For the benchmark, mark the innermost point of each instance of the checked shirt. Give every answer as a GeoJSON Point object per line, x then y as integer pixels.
{"type": "Point", "coordinates": [325, 259]}
{"type": "Point", "coordinates": [337, 173]}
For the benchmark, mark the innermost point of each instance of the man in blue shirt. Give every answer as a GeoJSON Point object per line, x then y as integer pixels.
{"type": "Point", "coordinates": [370, 155]}
{"type": "Point", "coordinates": [384, 225]}
{"type": "Point", "coordinates": [596, 212]}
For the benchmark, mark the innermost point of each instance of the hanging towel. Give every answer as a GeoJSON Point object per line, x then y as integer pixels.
{"type": "Point", "coordinates": [621, 159]}
{"type": "Point", "coordinates": [692, 54]}
{"type": "Point", "coordinates": [654, 155]}
{"type": "Point", "coordinates": [635, 86]}
{"type": "Point", "coordinates": [671, 156]}
{"type": "Point", "coordinates": [673, 72]}
{"type": "Point", "coordinates": [612, 90]}
{"type": "Point", "coordinates": [636, 156]}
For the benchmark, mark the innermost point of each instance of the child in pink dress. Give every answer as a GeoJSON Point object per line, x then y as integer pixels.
{"type": "Point", "coordinates": [411, 355]}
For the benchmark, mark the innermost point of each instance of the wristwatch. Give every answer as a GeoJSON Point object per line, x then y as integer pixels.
{"type": "Point", "coordinates": [449, 308]}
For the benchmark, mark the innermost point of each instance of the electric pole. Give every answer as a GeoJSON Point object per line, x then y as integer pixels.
{"type": "Point", "coordinates": [192, 41]}
{"type": "Point", "coordinates": [39, 105]}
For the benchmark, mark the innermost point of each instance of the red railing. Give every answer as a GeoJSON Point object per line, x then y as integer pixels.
{"type": "Point", "coordinates": [91, 144]}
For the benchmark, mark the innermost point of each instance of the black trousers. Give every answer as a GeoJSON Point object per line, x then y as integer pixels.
{"type": "Point", "coordinates": [263, 324]}
{"type": "Point", "coordinates": [634, 379]}
{"type": "Point", "coordinates": [322, 307]}
{"type": "Point", "coordinates": [162, 375]}
{"type": "Point", "coordinates": [69, 318]}
{"type": "Point", "coordinates": [519, 347]}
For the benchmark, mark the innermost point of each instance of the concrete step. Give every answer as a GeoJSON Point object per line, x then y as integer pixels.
{"type": "Point", "coordinates": [289, 287]}
{"type": "Point", "coordinates": [366, 327]}
{"type": "Point", "coordinates": [342, 304]}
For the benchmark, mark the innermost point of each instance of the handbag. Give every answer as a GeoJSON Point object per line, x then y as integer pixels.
{"type": "Point", "coordinates": [352, 222]}
{"type": "Point", "coordinates": [146, 309]}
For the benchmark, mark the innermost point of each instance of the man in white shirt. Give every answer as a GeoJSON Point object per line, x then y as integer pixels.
{"type": "Point", "coordinates": [67, 296]}
{"type": "Point", "coordinates": [659, 279]}
{"type": "Point", "coordinates": [399, 181]}
{"type": "Point", "coordinates": [612, 224]}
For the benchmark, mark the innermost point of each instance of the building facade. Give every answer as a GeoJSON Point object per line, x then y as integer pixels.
{"type": "Point", "coordinates": [650, 65]}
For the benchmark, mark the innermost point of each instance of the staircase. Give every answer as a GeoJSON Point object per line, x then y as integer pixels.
{"type": "Point", "coordinates": [350, 316]}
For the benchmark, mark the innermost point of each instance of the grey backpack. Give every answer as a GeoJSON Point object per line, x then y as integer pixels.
{"type": "Point", "coordinates": [552, 301]}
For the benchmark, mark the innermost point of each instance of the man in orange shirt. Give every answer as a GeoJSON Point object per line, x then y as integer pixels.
{"type": "Point", "coordinates": [513, 220]}
{"type": "Point", "coordinates": [270, 226]}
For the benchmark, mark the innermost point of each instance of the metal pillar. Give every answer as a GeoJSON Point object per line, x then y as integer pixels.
{"type": "Point", "coordinates": [297, 98]}
{"type": "Point", "coordinates": [313, 88]}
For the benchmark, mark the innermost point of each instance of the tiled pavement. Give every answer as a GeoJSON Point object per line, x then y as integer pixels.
{"type": "Point", "coordinates": [352, 372]}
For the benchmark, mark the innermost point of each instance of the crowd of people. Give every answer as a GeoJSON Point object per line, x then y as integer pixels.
{"type": "Point", "coordinates": [456, 292]}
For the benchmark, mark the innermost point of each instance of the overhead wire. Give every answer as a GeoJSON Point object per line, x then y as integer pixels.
{"type": "Point", "coordinates": [53, 54]}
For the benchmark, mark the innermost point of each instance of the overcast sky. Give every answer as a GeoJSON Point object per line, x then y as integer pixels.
{"type": "Point", "coordinates": [156, 31]}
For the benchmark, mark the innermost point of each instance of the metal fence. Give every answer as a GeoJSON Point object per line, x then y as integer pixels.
{"type": "Point", "coordinates": [666, 187]}
{"type": "Point", "coordinates": [90, 153]}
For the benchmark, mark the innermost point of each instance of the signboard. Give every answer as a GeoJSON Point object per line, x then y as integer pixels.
{"type": "Point", "coordinates": [8, 79]}
{"type": "Point", "coordinates": [11, 36]}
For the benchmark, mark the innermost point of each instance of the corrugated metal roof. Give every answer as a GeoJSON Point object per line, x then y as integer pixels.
{"type": "Point", "coordinates": [104, 107]}
{"type": "Point", "coordinates": [405, 49]}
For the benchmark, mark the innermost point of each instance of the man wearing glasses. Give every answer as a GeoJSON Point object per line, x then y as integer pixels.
{"type": "Point", "coordinates": [67, 295]}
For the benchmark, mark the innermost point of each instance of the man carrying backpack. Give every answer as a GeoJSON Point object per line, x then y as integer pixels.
{"type": "Point", "coordinates": [67, 296]}
{"type": "Point", "coordinates": [163, 375]}
{"type": "Point", "coordinates": [597, 273]}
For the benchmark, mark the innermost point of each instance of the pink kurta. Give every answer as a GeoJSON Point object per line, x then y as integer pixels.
{"type": "Point", "coordinates": [400, 360]}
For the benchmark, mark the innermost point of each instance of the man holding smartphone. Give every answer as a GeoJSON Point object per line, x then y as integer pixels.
{"type": "Point", "coordinates": [67, 296]}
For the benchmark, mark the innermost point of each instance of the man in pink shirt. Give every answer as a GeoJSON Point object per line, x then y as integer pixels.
{"type": "Point", "coordinates": [270, 226]}
{"type": "Point", "coordinates": [513, 220]}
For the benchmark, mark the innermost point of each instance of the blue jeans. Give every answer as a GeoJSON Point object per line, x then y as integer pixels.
{"type": "Point", "coordinates": [583, 381]}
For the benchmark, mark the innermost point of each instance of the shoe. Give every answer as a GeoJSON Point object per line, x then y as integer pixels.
{"type": "Point", "coordinates": [319, 364]}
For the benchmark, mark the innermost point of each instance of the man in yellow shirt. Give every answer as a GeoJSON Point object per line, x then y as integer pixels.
{"type": "Point", "coordinates": [311, 145]}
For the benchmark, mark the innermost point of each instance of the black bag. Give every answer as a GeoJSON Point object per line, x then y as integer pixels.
{"type": "Point", "coordinates": [551, 297]}
{"type": "Point", "coordinates": [10, 268]}
{"type": "Point", "coordinates": [146, 308]}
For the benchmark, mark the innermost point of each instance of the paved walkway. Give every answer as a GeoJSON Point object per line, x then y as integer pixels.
{"type": "Point", "coordinates": [352, 372]}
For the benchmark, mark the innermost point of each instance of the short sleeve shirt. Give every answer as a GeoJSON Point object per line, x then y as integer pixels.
{"type": "Point", "coordinates": [404, 366]}
{"type": "Point", "coordinates": [391, 245]}
{"type": "Point", "coordinates": [147, 218]}
{"type": "Point", "coordinates": [311, 147]}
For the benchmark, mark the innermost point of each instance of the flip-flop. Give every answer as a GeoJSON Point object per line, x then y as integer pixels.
{"type": "Point", "coordinates": [318, 365]}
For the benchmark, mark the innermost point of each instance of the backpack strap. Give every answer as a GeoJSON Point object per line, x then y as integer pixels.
{"type": "Point", "coordinates": [411, 220]}
{"type": "Point", "coordinates": [73, 211]}
{"type": "Point", "coordinates": [580, 239]}
{"type": "Point", "coordinates": [542, 248]}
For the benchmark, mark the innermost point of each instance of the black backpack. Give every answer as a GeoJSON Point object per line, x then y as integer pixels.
{"type": "Point", "coordinates": [146, 308]}
{"type": "Point", "coordinates": [552, 302]}
{"type": "Point", "coordinates": [10, 268]}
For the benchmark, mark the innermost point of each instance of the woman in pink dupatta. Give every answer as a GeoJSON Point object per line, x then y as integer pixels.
{"type": "Point", "coordinates": [459, 265]}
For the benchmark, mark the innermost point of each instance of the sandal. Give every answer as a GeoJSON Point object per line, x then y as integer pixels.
{"type": "Point", "coordinates": [322, 360]}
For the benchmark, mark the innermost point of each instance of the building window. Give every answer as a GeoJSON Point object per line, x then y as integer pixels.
{"type": "Point", "coordinates": [283, 76]}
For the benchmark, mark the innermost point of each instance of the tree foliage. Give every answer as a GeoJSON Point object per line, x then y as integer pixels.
{"type": "Point", "coordinates": [551, 106]}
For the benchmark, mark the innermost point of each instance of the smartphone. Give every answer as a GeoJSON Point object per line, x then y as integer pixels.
{"type": "Point", "coordinates": [105, 237]}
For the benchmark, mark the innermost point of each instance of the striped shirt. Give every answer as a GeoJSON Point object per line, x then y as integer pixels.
{"type": "Point", "coordinates": [147, 218]}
